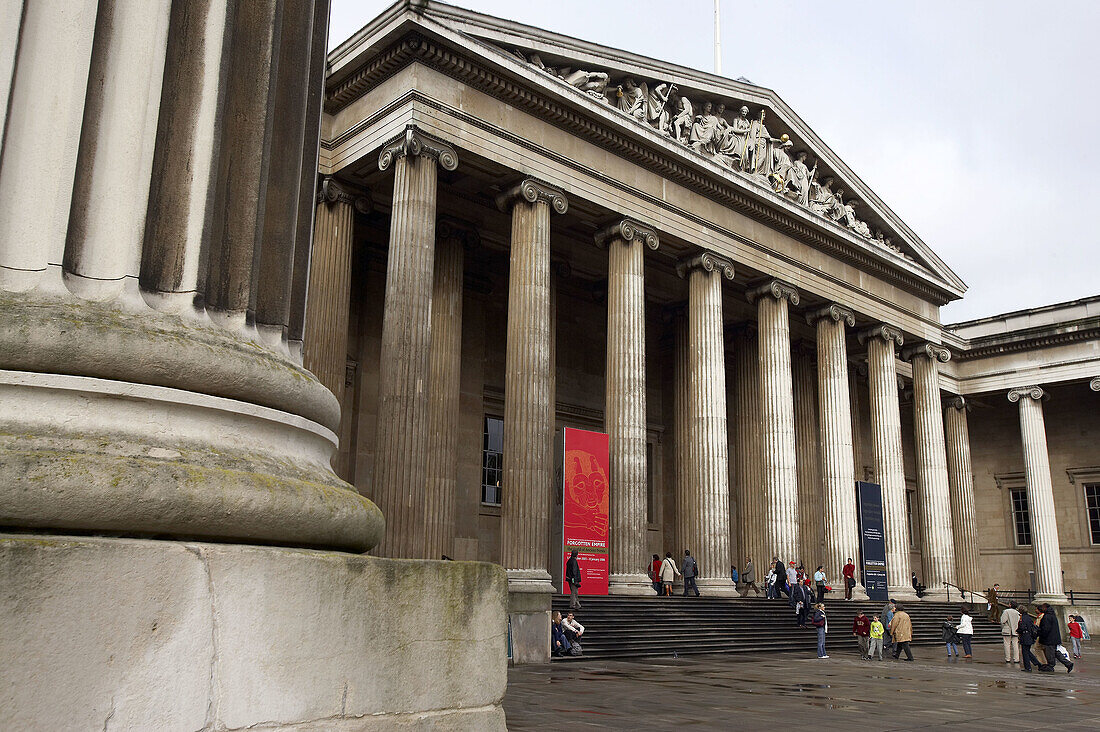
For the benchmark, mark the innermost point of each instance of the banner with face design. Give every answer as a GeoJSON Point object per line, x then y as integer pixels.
{"type": "Point", "coordinates": [585, 505]}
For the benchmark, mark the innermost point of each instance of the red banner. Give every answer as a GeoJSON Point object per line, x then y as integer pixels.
{"type": "Point", "coordinates": [585, 508]}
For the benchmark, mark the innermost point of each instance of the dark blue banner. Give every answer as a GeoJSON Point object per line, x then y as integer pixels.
{"type": "Point", "coordinates": [872, 540]}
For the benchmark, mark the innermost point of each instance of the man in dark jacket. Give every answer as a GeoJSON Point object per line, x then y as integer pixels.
{"type": "Point", "coordinates": [1029, 633]}
{"type": "Point", "coordinates": [781, 578]}
{"type": "Point", "coordinates": [573, 577]}
{"type": "Point", "coordinates": [800, 601]}
{"type": "Point", "coordinates": [690, 570]}
{"type": "Point", "coordinates": [1050, 638]}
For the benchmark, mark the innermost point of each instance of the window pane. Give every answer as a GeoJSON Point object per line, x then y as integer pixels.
{"type": "Point", "coordinates": [1092, 504]}
{"type": "Point", "coordinates": [1021, 517]}
{"type": "Point", "coordinates": [492, 461]}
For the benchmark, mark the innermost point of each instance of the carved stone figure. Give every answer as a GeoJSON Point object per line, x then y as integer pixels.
{"type": "Point", "coordinates": [797, 182]}
{"type": "Point", "coordinates": [702, 132]}
{"type": "Point", "coordinates": [780, 164]}
{"type": "Point", "coordinates": [657, 107]}
{"type": "Point", "coordinates": [593, 83]}
{"type": "Point", "coordinates": [822, 197]}
{"type": "Point", "coordinates": [681, 123]}
{"type": "Point", "coordinates": [732, 145]}
{"type": "Point", "coordinates": [632, 100]}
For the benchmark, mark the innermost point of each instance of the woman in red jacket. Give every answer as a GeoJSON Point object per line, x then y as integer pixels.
{"type": "Point", "coordinates": [655, 573]}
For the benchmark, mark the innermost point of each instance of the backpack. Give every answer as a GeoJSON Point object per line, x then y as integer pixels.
{"type": "Point", "coordinates": [575, 649]}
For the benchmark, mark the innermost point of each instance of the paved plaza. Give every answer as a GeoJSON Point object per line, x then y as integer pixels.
{"type": "Point", "coordinates": [842, 692]}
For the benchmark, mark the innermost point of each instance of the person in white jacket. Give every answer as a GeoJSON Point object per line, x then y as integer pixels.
{"type": "Point", "coordinates": [669, 572]}
{"type": "Point", "coordinates": [966, 630]}
{"type": "Point", "coordinates": [572, 627]}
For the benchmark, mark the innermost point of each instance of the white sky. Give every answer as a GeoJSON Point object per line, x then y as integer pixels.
{"type": "Point", "coordinates": [976, 121]}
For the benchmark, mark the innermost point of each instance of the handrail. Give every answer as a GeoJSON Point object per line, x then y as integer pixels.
{"type": "Point", "coordinates": [962, 593]}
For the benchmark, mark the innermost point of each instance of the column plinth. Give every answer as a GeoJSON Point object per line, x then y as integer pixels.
{"type": "Point", "coordinates": [835, 420]}
{"type": "Point", "coordinates": [777, 410]}
{"type": "Point", "coordinates": [528, 412]}
{"type": "Point", "coordinates": [625, 414]}
{"type": "Point", "coordinates": [706, 527]}
{"type": "Point", "coordinates": [961, 477]}
{"type": "Point", "coordinates": [1045, 545]}
{"type": "Point", "coordinates": [882, 375]}
{"type": "Point", "coordinates": [400, 473]}
{"type": "Point", "coordinates": [933, 486]}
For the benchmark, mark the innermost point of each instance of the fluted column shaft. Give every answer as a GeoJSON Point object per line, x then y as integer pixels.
{"type": "Point", "coordinates": [882, 376]}
{"type": "Point", "coordinates": [528, 412]}
{"type": "Point", "coordinates": [444, 389]}
{"type": "Point", "coordinates": [706, 526]}
{"type": "Point", "coordinates": [681, 397]}
{"type": "Point", "coordinates": [625, 413]}
{"type": "Point", "coordinates": [777, 425]}
{"type": "Point", "coordinates": [835, 419]}
{"type": "Point", "coordinates": [748, 459]}
{"type": "Point", "coordinates": [938, 551]}
{"type": "Point", "coordinates": [811, 509]}
{"type": "Point", "coordinates": [961, 477]}
{"type": "Point", "coordinates": [1045, 545]}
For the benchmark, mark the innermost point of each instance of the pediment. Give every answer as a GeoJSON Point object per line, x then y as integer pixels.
{"type": "Point", "coordinates": [747, 132]}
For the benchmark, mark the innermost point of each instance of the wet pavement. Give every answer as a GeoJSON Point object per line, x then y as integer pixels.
{"type": "Point", "coordinates": [841, 692]}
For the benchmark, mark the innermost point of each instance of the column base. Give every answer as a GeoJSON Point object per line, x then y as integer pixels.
{"type": "Point", "coordinates": [859, 593]}
{"type": "Point", "coordinates": [192, 635]}
{"type": "Point", "coordinates": [529, 595]}
{"type": "Point", "coordinates": [936, 595]}
{"type": "Point", "coordinates": [629, 584]}
{"type": "Point", "coordinates": [716, 587]}
{"type": "Point", "coordinates": [904, 592]}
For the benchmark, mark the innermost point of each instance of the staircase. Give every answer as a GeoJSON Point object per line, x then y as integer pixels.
{"type": "Point", "coordinates": [621, 627]}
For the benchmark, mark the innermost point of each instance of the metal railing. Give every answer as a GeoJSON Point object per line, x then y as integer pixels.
{"type": "Point", "coordinates": [963, 594]}
{"type": "Point", "coordinates": [1022, 597]}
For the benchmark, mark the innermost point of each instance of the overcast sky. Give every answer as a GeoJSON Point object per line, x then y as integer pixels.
{"type": "Point", "coordinates": [976, 121]}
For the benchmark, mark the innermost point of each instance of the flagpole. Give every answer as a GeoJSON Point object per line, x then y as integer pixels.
{"type": "Point", "coordinates": [717, 39]}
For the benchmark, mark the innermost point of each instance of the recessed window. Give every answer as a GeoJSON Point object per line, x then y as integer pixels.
{"type": "Point", "coordinates": [1021, 516]}
{"type": "Point", "coordinates": [1092, 506]}
{"type": "Point", "coordinates": [492, 460]}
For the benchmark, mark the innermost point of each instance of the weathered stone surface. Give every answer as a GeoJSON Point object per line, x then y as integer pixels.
{"type": "Point", "coordinates": [190, 636]}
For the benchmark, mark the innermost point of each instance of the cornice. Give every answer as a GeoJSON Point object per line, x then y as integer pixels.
{"type": "Point", "coordinates": [932, 351]}
{"type": "Point", "coordinates": [706, 262]}
{"type": "Point", "coordinates": [1025, 340]}
{"type": "Point", "coordinates": [1030, 392]}
{"type": "Point", "coordinates": [778, 289]}
{"type": "Point", "coordinates": [835, 312]}
{"type": "Point", "coordinates": [413, 142]}
{"type": "Point", "coordinates": [628, 230]}
{"type": "Point", "coordinates": [533, 191]}
{"type": "Point", "coordinates": [673, 165]}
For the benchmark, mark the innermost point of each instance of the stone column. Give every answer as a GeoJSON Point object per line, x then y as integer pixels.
{"type": "Point", "coordinates": [1045, 546]}
{"type": "Point", "coordinates": [681, 398]}
{"type": "Point", "coordinates": [835, 419]}
{"type": "Point", "coordinates": [706, 526]}
{"type": "Point", "coordinates": [400, 473]}
{"type": "Point", "coordinates": [961, 477]}
{"type": "Point", "coordinates": [882, 375]}
{"type": "Point", "coordinates": [444, 386]}
{"type": "Point", "coordinates": [625, 413]}
{"type": "Point", "coordinates": [528, 418]}
{"type": "Point", "coordinates": [811, 509]}
{"type": "Point", "coordinates": [777, 410]}
{"type": "Point", "coordinates": [325, 343]}
{"type": "Point", "coordinates": [938, 551]}
{"type": "Point", "coordinates": [748, 459]}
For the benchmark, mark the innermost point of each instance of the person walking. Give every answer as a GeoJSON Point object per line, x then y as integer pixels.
{"type": "Point", "coordinates": [690, 570]}
{"type": "Point", "coordinates": [887, 616]}
{"type": "Point", "coordinates": [819, 582]}
{"type": "Point", "coordinates": [668, 574]}
{"type": "Point", "coordinates": [1076, 634]}
{"type": "Point", "coordinates": [966, 630]}
{"type": "Point", "coordinates": [655, 573]}
{"type": "Point", "coordinates": [1010, 621]}
{"type": "Point", "coordinates": [877, 631]}
{"type": "Point", "coordinates": [780, 578]}
{"type": "Point", "coordinates": [573, 577]}
{"type": "Point", "coordinates": [861, 629]}
{"type": "Point", "coordinates": [901, 629]}
{"type": "Point", "coordinates": [735, 578]}
{"type": "Point", "coordinates": [792, 577]}
{"type": "Point", "coordinates": [1050, 638]}
{"type": "Point", "coordinates": [801, 600]}
{"type": "Point", "coordinates": [821, 622]}
{"type": "Point", "coordinates": [950, 637]}
{"type": "Point", "coordinates": [748, 577]}
{"type": "Point", "coordinates": [994, 606]}
{"type": "Point", "coordinates": [1028, 633]}
{"type": "Point", "coordinates": [849, 572]}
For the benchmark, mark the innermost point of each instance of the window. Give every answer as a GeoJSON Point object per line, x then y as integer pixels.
{"type": "Point", "coordinates": [1092, 507]}
{"type": "Point", "coordinates": [1021, 517]}
{"type": "Point", "coordinates": [492, 460]}
{"type": "Point", "coordinates": [910, 519]}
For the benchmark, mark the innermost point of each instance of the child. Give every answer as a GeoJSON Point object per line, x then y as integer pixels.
{"type": "Point", "coordinates": [877, 631]}
{"type": "Point", "coordinates": [950, 637]}
{"type": "Point", "coordinates": [1075, 634]}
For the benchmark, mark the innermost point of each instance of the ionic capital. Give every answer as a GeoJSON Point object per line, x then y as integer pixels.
{"type": "Point", "coordinates": [933, 351]}
{"type": "Point", "coordinates": [1095, 384]}
{"type": "Point", "coordinates": [414, 142]}
{"type": "Point", "coordinates": [332, 191]}
{"type": "Point", "coordinates": [1029, 392]}
{"type": "Point", "coordinates": [448, 228]}
{"type": "Point", "coordinates": [778, 289]}
{"type": "Point", "coordinates": [533, 191]}
{"type": "Point", "coordinates": [706, 262]}
{"type": "Point", "coordinates": [886, 332]}
{"type": "Point", "coordinates": [628, 230]}
{"type": "Point", "coordinates": [834, 311]}
{"type": "Point", "coordinates": [956, 402]}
